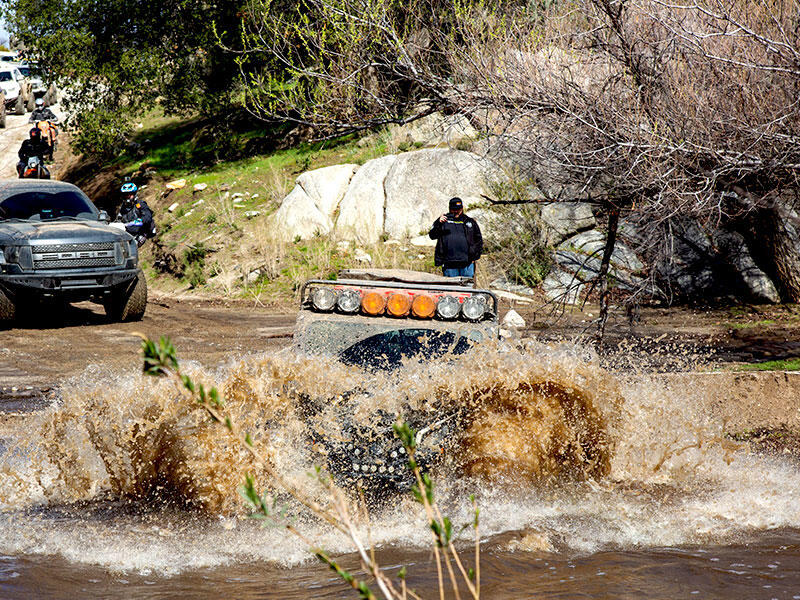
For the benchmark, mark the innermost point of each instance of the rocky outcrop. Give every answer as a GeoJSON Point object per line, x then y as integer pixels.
{"type": "Point", "coordinates": [309, 208]}
{"type": "Point", "coordinates": [433, 130]}
{"type": "Point", "coordinates": [361, 210]}
{"type": "Point", "coordinates": [419, 185]}
{"type": "Point", "coordinates": [564, 219]}
{"type": "Point", "coordinates": [398, 196]}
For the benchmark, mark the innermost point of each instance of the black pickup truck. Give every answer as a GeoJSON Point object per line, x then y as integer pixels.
{"type": "Point", "coordinates": [55, 245]}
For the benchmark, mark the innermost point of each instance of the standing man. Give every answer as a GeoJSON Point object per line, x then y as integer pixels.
{"type": "Point", "coordinates": [458, 242]}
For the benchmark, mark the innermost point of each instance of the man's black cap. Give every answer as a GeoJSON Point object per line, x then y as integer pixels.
{"type": "Point", "coordinates": [455, 204]}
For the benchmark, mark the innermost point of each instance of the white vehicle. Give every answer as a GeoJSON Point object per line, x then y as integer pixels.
{"type": "Point", "coordinates": [9, 56]}
{"type": "Point", "coordinates": [17, 90]}
{"type": "Point", "coordinates": [30, 73]}
{"type": "Point", "coordinates": [10, 83]}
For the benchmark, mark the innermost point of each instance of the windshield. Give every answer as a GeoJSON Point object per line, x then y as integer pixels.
{"type": "Point", "coordinates": [42, 206]}
{"type": "Point", "coordinates": [5, 75]}
{"type": "Point", "coordinates": [386, 351]}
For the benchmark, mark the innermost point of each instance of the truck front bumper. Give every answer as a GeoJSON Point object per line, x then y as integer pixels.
{"type": "Point", "coordinates": [72, 284]}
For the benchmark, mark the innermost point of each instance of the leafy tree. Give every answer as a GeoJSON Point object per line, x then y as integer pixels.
{"type": "Point", "coordinates": [655, 111]}
{"type": "Point", "coordinates": [118, 58]}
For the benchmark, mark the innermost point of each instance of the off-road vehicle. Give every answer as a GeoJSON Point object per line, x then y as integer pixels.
{"type": "Point", "coordinates": [416, 325]}
{"type": "Point", "coordinates": [377, 319]}
{"type": "Point", "coordinates": [57, 247]}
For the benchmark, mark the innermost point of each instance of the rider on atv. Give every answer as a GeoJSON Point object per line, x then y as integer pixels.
{"type": "Point", "coordinates": [135, 214]}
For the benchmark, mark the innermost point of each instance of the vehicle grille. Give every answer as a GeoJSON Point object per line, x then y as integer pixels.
{"type": "Point", "coordinates": [74, 256]}
{"type": "Point", "coordinates": [73, 247]}
{"type": "Point", "coordinates": [74, 263]}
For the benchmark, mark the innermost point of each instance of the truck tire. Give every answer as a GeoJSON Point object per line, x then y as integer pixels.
{"type": "Point", "coordinates": [19, 106]}
{"type": "Point", "coordinates": [8, 310]}
{"type": "Point", "coordinates": [130, 304]}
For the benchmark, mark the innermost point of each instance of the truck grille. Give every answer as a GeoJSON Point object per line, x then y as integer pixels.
{"type": "Point", "coordinates": [71, 256]}
{"type": "Point", "coordinates": [47, 249]}
{"type": "Point", "coordinates": [73, 263]}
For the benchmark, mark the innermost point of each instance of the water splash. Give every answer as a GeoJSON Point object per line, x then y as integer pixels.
{"type": "Point", "coordinates": [570, 454]}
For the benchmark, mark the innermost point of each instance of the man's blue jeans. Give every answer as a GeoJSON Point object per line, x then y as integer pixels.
{"type": "Point", "coordinates": [468, 271]}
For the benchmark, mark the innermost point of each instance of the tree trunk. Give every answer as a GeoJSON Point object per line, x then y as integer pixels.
{"type": "Point", "coordinates": [773, 250]}
{"type": "Point", "coordinates": [611, 240]}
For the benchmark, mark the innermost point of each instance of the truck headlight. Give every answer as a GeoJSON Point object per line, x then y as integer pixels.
{"type": "Point", "coordinates": [448, 307]}
{"type": "Point", "coordinates": [474, 308]}
{"type": "Point", "coordinates": [323, 298]}
{"type": "Point", "coordinates": [348, 301]}
{"type": "Point", "coordinates": [19, 255]}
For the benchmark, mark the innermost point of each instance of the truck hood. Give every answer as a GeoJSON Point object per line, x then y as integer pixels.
{"type": "Point", "coordinates": [65, 232]}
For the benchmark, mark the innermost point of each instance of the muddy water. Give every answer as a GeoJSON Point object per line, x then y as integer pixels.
{"type": "Point", "coordinates": [590, 484]}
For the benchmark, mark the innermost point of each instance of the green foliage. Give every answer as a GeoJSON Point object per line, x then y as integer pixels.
{"type": "Point", "coordinates": [123, 56]}
{"type": "Point", "coordinates": [787, 364]}
{"type": "Point", "coordinates": [194, 262]}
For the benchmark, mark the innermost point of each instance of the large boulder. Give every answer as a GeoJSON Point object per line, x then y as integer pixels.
{"type": "Point", "coordinates": [327, 186]}
{"type": "Point", "coordinates": [299, 217]}
{"type": "Point", "coordinates": [758, 286]}
{"type": "Point", "coordinates": [419, 185]}
{"type": "Point", "coordinates": [309, 208]}
{"type": "Point", "coordinates": [564, 219]}
{"type": "Point", "coordinates": [562, 287]}
{"type": "Point", "coordinates": [433, 130]}
{"type": "Point", "coordinates": [361, 209]}
{"type": "Point", "coordinates": [593, 242]}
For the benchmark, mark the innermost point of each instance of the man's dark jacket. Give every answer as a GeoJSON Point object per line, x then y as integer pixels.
{"type": "Point", "coordinates": [33, 148]}
{"type": "Point", "coordinates": [458, 241]}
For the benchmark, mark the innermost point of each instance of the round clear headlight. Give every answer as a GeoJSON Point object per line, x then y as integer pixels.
{"type": "Point", "coordinates": [323, 298]}
{"type": "Point", "coordinates": [448, 307]}
{"type": "Point", "coordinates": [349, 301]}
{"type": "Point", "coordinates": [474, 308]}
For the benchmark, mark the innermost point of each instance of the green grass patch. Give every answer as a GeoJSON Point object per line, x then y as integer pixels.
{"type": "Point", "coordinates": [787, 364]}
{"type": "Point", "coordinates": [752, 324]}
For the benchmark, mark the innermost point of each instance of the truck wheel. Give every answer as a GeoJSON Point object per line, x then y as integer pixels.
{"type": "Point", "coordinates": [130, 304]}
{"type": "Point", "coordinates": [19, 106]}
{"type": "Point", "coordinates": [8, 310]}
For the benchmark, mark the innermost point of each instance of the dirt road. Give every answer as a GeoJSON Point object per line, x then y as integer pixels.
{"type": "Point", "coordinates": [16, 130]}
{"type": "Point", "coordinates": [37, 354]}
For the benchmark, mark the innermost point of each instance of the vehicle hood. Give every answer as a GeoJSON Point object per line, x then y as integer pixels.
{"type": "Point", "coordinates": [64, 232]}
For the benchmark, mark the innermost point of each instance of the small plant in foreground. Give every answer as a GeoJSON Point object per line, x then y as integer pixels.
{"type": "Point", "coordinates": [160, 359]}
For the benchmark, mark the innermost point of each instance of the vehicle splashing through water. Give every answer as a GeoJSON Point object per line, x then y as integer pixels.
{"type": "Point", "coordinates": [563, 456]}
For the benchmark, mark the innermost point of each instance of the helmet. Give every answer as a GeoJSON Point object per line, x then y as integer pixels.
{"type": "Point", "coordinates": [128, 188]}
{"type": "Point", "coordinates": [39, 102]}
{"type": "Point", "coordinates": [35, 133]}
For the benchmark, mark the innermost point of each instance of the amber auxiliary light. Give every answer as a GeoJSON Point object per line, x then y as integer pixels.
{"type": "Point", "coordinates": [398, 305]}
{"type": "Point", "coordinates": [373, 303]}
{"type": "Point", "coordinates": [423, 307]}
